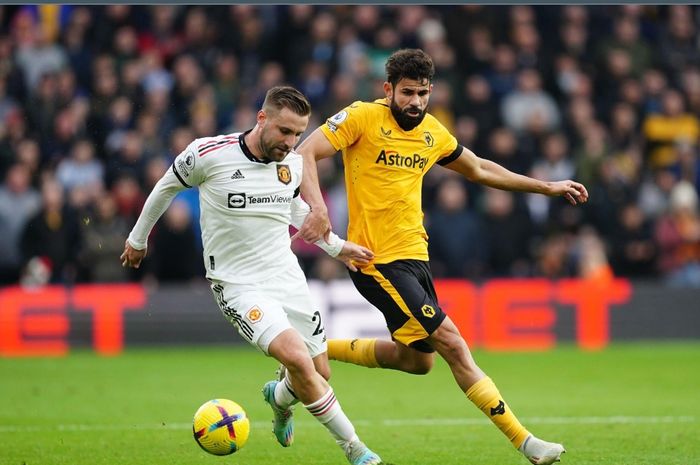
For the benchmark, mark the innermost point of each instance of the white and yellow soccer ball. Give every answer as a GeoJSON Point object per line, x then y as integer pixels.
{"type": "Point", "coordinates": [221, 427]}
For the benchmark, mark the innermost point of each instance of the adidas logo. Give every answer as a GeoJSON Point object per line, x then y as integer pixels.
{"type": "Point", "coordinates": [237, 175]}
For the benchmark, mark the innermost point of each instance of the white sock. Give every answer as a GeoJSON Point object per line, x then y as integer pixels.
{"type": "Point", "coordinates": [284, 394]}
{"type": "Point", "coordinates": [327, 410]}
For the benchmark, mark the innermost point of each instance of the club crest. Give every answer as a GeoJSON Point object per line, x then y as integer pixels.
{"type": "Point", "coordinates": [284, 174]}
{"type": "Point", "coordinates": [254, 314]}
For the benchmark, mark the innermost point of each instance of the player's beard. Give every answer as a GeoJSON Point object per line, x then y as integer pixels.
{"type": "Point", "coordinates": [268, 149]}
{"type": "Point", "coordinates": [403, 119]}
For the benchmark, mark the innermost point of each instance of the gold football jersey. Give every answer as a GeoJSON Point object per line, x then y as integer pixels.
{"type": "Point", "coordinates": [384, 169]}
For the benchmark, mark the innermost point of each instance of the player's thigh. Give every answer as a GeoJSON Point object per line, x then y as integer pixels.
{"type": "Point", "coordinates": [258, 317]}
{"type": "Point", "coordinates": [294, 295]}
{"type": "Point", "coordinates": [402, 291]}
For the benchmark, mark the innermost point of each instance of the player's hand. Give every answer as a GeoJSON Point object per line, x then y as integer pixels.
{"type": "Point", "coordinates": [352, 252]}
{"type": "Point", "coordinates": [316, 225]}
{"type": "Point", "coordinates": [132, 257]}
{"type": "Point", "coordinates": [572, 191]}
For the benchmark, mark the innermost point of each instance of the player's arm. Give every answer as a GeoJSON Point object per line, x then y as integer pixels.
{"type": "Point", "coordinates": [157, 202]}
{"type": "Point", "coordinates": [492, 174]}
{"type": "Point", "coordinates": [345, 251]}
{"type": "Point", "coordinates": [317, 225]}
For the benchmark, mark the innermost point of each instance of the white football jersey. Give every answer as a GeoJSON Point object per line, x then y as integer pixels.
{"type": "Point", "coordinates": [246, 207]}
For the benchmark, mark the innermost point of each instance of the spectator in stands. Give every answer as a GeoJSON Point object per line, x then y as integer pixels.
{"type": "Point", "coordinates": [175, 256]}
{"type": "Point", "coordinates": [554, 165]}
{"type": "Point", "coordinates": [688, 166]}
{"type": "Point", "coordinates": [502, 75]}
{"type": "Point", "coordinates": [103, 239]}
{"type": "Point", "coordinates": [18, 203]}
{"type": "Point", "coordinates": [508, 233]}
{"type": "Point", "coordinates": [477, 101]}
{"type": "Point", "coordinates": [28, 153]}
{"type": "Point", "coordinates": [53, 235]}
{"type": "Point", "coordinates": [81, 169]}
{"type": "Point", "coordinates": [530, 105]}
{"type": "Point", "coordinates": [678, 238]}
{"type": "Point", "coordinates": [626, 37]}
{"type": "Point", "coordinates": [592, 258]}
{"type": "Point", "coordinates": [38, 55]}
{"type": "Point", "coordinates": [663, 130]}
{"type": "Point", "coordinates": [129, 196]}
{"type": "Point", "coordinates": [458, 244]}
{"type": "Point", "coordinates": [633, 250]}
{"type": "Point", "coordinates": [678, 42]}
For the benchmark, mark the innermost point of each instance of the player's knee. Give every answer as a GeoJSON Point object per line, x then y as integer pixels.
{"type": "Point", "coordinates": [299, 364]}
{"type": "Point", "coordinates": [422, 366]}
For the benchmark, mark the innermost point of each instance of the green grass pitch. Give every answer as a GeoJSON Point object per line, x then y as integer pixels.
{"type": "Point", "coordinates": [632, 404]}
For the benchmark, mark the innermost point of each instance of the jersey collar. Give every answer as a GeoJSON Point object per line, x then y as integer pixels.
{"type": "Point", "coordinates": [246, 151]}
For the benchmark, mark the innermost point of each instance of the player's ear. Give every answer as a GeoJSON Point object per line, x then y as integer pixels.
{"type": "Point", "coordinates": [388, 89]}
{"type": "Point", "coordinates": [261, 117]}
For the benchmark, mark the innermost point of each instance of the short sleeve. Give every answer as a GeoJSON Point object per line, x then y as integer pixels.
{"type": "Point", "coordinates": [345, 127]}
{"type": "Point", "coordinates": [188, 168]}
{"type": "Point", "coordinates": [446, 145]}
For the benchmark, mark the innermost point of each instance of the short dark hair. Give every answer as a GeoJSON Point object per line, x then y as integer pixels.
{"type": "Point", "coordinates": [411, 63]}
{"type": "Point", "coordinates": [280, 97]}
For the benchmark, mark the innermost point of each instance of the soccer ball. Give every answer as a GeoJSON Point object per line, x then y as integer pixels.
{"type": "Point", "coordinates": [220, 427]}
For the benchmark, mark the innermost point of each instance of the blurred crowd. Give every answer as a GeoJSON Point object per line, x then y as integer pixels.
{"type": "Point", "coordinates": [96, 101]}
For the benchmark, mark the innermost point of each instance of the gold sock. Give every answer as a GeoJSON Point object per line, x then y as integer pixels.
{"type": "Point", "coordinates": [357, 351]}
{"type": "Point", "coordinates": [484, 394]}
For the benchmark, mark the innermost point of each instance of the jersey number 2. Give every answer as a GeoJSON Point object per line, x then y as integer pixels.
{"type": "Point", "coordinates": [319, 325]}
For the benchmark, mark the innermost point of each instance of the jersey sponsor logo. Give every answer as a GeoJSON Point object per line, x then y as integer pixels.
{"type": "Point", "coordinates": [262, 199]}
{"type": "Point", "coordinates": [241, 199]}
{"type": "Point", "coordinates": [428, 138]}
{"type": "Point", "coordinates": [284, 174]}
{"type": "Point", "coordinates": [254, 314]}
{"type": "Point", "coordinates": [185, 164]}
{"type": "Point", "coordinates": [236, 200]}
{"type": "Point", "coordinates": [393, 158]}
{"type": "Point", "coordinates": [237, 175]}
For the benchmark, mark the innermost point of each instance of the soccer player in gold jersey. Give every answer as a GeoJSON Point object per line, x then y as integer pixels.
{"type": "Point", "coordinates": [388, 146]}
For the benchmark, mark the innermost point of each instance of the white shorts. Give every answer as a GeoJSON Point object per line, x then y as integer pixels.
{"type": "Point", "coordinates": [261, 311]}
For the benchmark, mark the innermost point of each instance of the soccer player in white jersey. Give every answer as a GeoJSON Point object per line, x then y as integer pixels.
{"type": "Point", "coordinates": [249, 194]}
